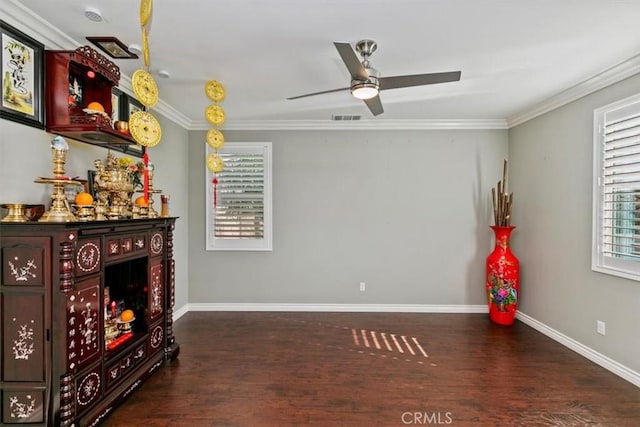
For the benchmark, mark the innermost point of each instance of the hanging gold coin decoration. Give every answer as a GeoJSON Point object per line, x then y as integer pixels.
{"type": "Point", "coordinates": [145, 47]}
{"type": "Point", "coordinates": [215, 139]}
{"type": "Point", "coordinates": [215, 91]}
{"type": "Point", "coordinates": [215, 163]}
{"type": "Point", "coordinates": [145, 11]}
{"type": "Point", "coordinates": [145, 128]}
{"type": "Point", "coordinates": [145, 88]}
{"type": "Point", "coordinates": [214, 115]}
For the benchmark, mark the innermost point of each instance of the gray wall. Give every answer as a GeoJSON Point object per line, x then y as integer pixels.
{"type": "Point", "coordinates": [551, 162]}
{"type": "Point", "coordinates": [25, 154]}
{"type": "Point", "coordinates": [407, 212]}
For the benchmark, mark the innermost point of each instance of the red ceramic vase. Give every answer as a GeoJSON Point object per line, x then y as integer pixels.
{"type": "Point", "coordinates": [503, 279]}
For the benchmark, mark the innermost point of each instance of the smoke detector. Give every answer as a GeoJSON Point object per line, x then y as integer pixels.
{"type": "Point", "coordinates": [135, 48]}
{"type": "Point", "coordinates": [93, 14]}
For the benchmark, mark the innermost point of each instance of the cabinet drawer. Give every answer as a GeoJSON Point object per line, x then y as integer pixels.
{"type": "Point", "coordinates": [140, 243]}
{"type": "Point", "coordinates": [118, 246]}
{"type": "Point", "coordinates": [25, 261]}
{"type": "Point", "coordinates": [22, 406]}
{"type": "Point", "coordinates": [139, 353]}
{"type": "Point", "coordinates": [113, 374]}
{"type": "Point", "coordinates": [124, 245]}
{"type": "Point", "coordinates": [121, 367]}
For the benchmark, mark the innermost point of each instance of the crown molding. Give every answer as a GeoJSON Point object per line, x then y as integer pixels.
{"type": "Point", "coordinates": [601, 80]}
{"type": "Point", "coordinates": [161, 107]}
{"type": "Point", "coordinates": [53, 38]}
{"type": "Point", "coordinates": [29, 23]}
{"type": "Point", "coordinates": [382, 124]}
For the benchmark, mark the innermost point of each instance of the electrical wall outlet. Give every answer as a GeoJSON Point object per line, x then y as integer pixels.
{"type": "Point", "coordinates": [601, 327]}
{"type": "Point", "coordinates": [363, 286]}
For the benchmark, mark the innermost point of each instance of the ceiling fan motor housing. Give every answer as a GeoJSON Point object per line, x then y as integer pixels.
{"type": "Point", "coordinates": [366, 89]}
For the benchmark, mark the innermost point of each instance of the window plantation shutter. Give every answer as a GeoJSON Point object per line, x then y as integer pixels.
{"type": "Point", "coordinates": [616, 248]}
{"type": "Point", "coordinates": [239, 206]}
{"type": "Point", "coordinates": [239, 213]}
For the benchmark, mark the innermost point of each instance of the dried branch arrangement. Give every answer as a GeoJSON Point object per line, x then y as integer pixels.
{"type": "Point", "coordinates": [502, 201]}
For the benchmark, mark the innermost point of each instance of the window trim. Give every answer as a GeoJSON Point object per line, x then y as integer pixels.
{"type": "Point", "coordinates": [264, 244]}
{"type": "Point", "coordinates": [599, 262]}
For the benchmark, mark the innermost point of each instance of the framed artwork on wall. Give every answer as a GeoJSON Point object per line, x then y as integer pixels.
{"type": "Point", "coordinates": [22, 62]}
{"type": "Point", "coordinates": [116, 104]}
{"type": "Point", "coordinates": [91, 183]}
{"type": "Point", "coordinates": [75, 91]}
{"type": "Point", "coordinates": [133, 105]}
{"type": "Point", "coordinates": [128, 106]}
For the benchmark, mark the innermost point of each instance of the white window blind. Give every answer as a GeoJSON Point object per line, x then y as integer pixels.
{"type": "Point", "coordinates": [239, 205]}
{"type": "Point", "coordinates": [617, 208]}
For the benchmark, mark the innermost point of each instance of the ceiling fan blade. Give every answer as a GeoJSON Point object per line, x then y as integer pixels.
{"type": "Point", "coordinates": [350, 59]}
{"type": "Point", "coordinates": [319, 93]}
{"type": "Point", "coordinates": [396, 82]}
{"type": "Point", "coordinates": [375, 105]}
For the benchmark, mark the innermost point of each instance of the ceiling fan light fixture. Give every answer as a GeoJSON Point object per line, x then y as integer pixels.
{"type": "Point", "coordinates": [364, 90]}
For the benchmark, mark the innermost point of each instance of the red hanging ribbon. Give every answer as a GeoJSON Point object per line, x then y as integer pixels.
{"type": "Point", "coordinates": [145, 174]}
{"type": "Point", "coordinates": [215, 191]}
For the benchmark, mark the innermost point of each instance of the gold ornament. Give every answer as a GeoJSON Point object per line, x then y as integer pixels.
{"type": "Point", "coordinates": [214, 115]}
{"type": "Point", "coordinates": [145, 128]}
{"type": "Point", "coordinates": [145, 11]}
{"type": "Point", "coordinates": [215, 163]}
{"type": "Point", "coordinates": [145, 87]}
{"type": "Point", "coordinates": [145, 47]}
{"type": "Point", "coordinates": [215, 139]}
{"type": "Point", "coordinates": [215, 91]}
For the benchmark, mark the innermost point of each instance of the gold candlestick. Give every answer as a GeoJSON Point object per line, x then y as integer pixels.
{"type": "Point", "coordinates": [59, 210]}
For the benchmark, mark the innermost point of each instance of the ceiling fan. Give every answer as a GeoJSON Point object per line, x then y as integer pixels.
{"type": "Point", "coordinates": [366, 82]}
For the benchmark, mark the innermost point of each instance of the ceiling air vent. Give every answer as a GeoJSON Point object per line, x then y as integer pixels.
{"type": "Point", "coordinates": [345, 117]}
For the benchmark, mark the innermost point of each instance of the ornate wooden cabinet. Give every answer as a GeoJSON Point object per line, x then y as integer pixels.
{"type": "Point", "coordinates": [61, 284]}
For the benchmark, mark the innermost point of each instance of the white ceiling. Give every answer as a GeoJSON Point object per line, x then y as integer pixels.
{"type": "Point", "coordinates": [513, 54]}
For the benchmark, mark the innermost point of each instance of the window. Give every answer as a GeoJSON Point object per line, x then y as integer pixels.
{"type": "Point", "coordinates": [238, 208]}
{"type": "Point", "coordinates": [616, 216]}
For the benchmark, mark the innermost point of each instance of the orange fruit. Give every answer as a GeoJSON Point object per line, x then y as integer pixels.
{"type": "Point", "coordinates": [127, 315]}
{"type": "Point", "coordinates": [141, 202]}
{"type": "Point", "coordinates": [96, 106]}
{"type": "Point", "coordinates": [84, 199]}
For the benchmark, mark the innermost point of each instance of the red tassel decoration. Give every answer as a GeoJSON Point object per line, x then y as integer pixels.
{"type": "Point", "coordinates": [145, 189]}
{"type": "Point", "coordinates": [215, 191]}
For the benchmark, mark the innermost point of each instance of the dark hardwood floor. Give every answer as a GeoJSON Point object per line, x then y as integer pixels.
{"type": "Point", "coordinates": [374, 369]}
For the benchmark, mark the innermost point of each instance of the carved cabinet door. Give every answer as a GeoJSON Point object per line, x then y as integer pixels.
{"type": "Point", "coordinates": [25, 286]}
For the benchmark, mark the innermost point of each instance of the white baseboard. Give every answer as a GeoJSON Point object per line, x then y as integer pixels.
{"type": "Point", "coordinates": [361, 308]}
{"type": "Point", "coordinates": [180, 312]}
{"type": "Point", "coordinates": [609, 364]}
